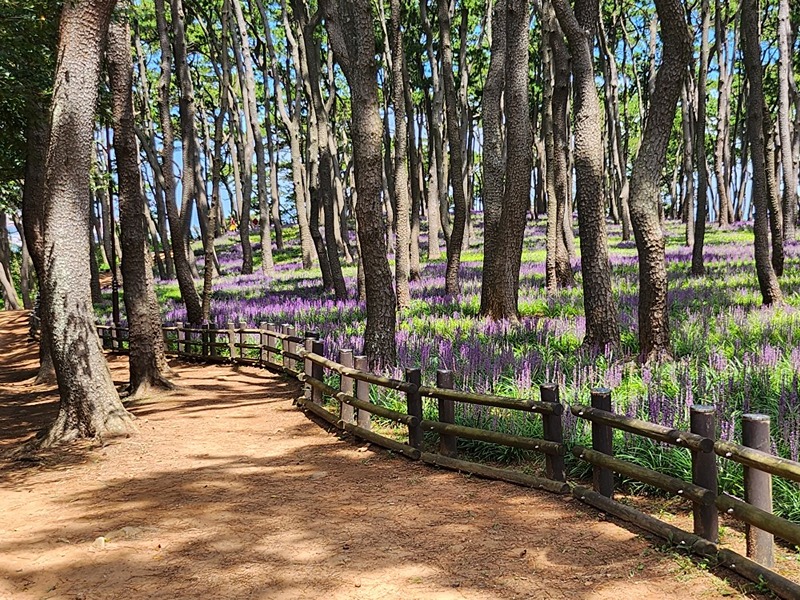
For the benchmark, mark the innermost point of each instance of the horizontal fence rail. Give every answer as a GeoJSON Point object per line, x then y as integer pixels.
{"type": "Point", "coordinates": [279, 347]}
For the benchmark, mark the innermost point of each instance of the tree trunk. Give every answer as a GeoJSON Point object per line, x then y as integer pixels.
{"type": "Point", "coordinates": [414, 160]}
{"type": "Point", "coordinates": [177, 228]}
{"type": "Point", "coordinates": [90, 406]}
{"type": "Point", "coordinates": [688, 164]}
{"type": "Point", "coordinates": [504, 286]}
{"type": "Point", "coordinates": [698, 268]}
{"type": "Point", "coordinates": [494, 164]}
{"type": "Point", "coordinates": [33, 205]}
{"type": "Point", "coordinates": [148, 365]}
{"type": "Point", "coordinates": [751, 52]}
{"type": "Point", "coordinates": [602, 328]}
{"type": "Point", "coordinates": [452, 108]}
{"type": "Point", "coordinates": [401, 183]}
{"type": "Point", "coordinates": [785, 75]}
{"type": "Point", "coordinates": [721, 158]}
{"type": "Point", "coordinates": [249, 85]}
{"type": "Point", "coordinates": [646, 180]}
{"type": "Point", "coordinates": [773, 196]}
{"type": "Point", "coordinates": [349, 24]}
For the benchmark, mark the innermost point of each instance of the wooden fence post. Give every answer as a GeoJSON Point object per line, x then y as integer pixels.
{"type": "Point", "coordinates": [346, 412]}
{"type": "Point", "coordinates": [272, 342]}
{"type": "Point", "coordinates": [204, 340]}
{"type": "Point", "coordinates": [553, 432]}
{"type": "Point", "coordinates": [181, 338]}
{"type": "Point", "coordinates": [286, 346]}
{"type": "Point", "coordinates": [308, 366]}
{"type": "Point", "coordinates": [317, 371]}
{"type": "Point", "coordinates": [293, 346]}
{"type": "Point", "coordinates": [704, 472]}
{"type": "Point", "coordinates": [212, 340]}
{"type": "Point", "coordinates": [448, 444]}
{"type": "Point", "coordinates": [414, 407]}
{"type": "Point", "coordinates": [602, 441]}
{"type": "Point", "coordinates": [242, 337]}
{"type": "Point", "coordinates": [362, 393]}
{"type": "Point", "coordinates": [231, 341]}
{"type": "Point", "coordinates": [758, 488]}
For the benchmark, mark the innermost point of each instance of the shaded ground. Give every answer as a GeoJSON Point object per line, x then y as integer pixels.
{"type": "Point", "coordinates": [230, 492]}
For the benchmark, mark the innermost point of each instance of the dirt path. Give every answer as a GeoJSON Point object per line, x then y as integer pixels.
{"type": "Point", "coordinates": [230, 492]}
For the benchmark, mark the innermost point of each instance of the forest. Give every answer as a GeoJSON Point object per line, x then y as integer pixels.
{"type": "Point", "coordinates": [595, 193]}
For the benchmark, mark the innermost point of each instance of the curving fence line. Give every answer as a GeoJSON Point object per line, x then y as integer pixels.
{"type": "Point", "coordinates": [279, 348]}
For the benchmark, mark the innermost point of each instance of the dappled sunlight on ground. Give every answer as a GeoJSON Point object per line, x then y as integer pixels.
{"type": "Point", "coordinates": [227, 491]}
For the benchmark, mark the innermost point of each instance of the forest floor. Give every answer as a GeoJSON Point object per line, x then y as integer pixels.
{"type": "Point", "coordinates": [228, 491]}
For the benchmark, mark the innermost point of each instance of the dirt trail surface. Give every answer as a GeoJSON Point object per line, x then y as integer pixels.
{"type": "Point", "coordinates": [228, 491]}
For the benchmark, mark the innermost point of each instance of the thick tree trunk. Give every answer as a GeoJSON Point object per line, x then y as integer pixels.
{"type": "Point", "coordinates": [494, 164]}
{"type": "Point", "coordinates": [349, 24]}
{"type": "Point", "coordinates": [602, 328]}
{"type": "Point", "coordinates": [452, 110]}
{"type": "Point", "coordinates": [90, 406]}
{"type": "Point", "coordinates": [751, 51]}
{"type": "Point", "coordinates": [178, 229]}
{"type": "Point", "coordinates": [504, 287]}
{"type": "Point", "coordinates": [148, 364]}
{"type": "Point", "coordinates": [646, 180]}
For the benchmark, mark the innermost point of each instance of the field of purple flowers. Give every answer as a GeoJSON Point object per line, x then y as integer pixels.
{"type": "Point", "coordinates": [728, 350]}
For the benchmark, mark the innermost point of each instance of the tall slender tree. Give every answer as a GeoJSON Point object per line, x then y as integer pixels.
{"type": "Point", "coordinates": [602, 327]}
{"type": "Point", "coordinates": [754, 71]}
{"type": "Point", "coordinates": [148, 365]}
{"type": "Point", "coordinates": [350, 30]}
{"type": "Point", "coordinates": [646, 180]}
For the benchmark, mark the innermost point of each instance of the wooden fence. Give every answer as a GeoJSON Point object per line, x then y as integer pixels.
{"type": "Point", "coordinates": [280, 348]}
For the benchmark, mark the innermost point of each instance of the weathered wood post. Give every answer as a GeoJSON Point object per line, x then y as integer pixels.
{"type": "Point", "coordinates": [212, 340]}
{"type": "Point", "coordinates": [308, 366]}
{"type": "Point", "coordinates": [262, 339]}
{"type": "Point", "coordinates": [242, 337]}
{"type": "Point", "coordinates": [346, 412]}
{"type": "Point", "coordinates": [181, 338]}
{"type": "Point", "coordinates": [758, 488]}
{"type": "Point", "coordinates": [362, 393]}
{"type": "Point", "coordinates": [704, 471]}
{"type": "Point", "coordinates": [293, 347]}
{"type": "Point", "coordinates": [414, 407]}
{"type": "Point", "coordinates": [317, 371]}
{"type": "Point", "coordinates": [286, 347]}
{"type": "Point", "coordinates": [272, 342]}
{"type": "Point", "coordinates": [602, 441]}
{"type": "Point", "coordinates": [448, 443]}
{"type": "Point", "coordinates": [204, 339]}
{"type": "Point", "coordinates": [231, 340]}
{"type": "Point", "coordinates": [553, 432]}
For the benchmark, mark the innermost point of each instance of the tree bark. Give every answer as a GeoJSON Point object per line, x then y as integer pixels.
{"type": "Point", "coordinates": [178, 228]}
{"type": "Point", "coordinates": [349, 24]}
{"type": "Point", "coordinates": [148, 364]}
{"type": "Point", "coordinates": [503, 289]}
{"type": "Point", "coordinates": [785, 76]}
{"type": "Point", "coordinates": [698, 268]}
{"type": "Point", "coordinates": [90, 405]}
{"type": "Point", "coordinates": [249, 84]}
{"type": "Point", "coordinates": [646, 180]}
{"type": "Point", "coordinates": [602, 328]}
{"type": "Point", "coordinates": [452, 111]}
{"type": "Point", "coordinates": [33, 203]}
{"type": "Point", "coordinates": [401, 183]}
{"type": "Point", "coordinates": [494, 163]}
{"type": "Point", "coordinates": [751, 52]}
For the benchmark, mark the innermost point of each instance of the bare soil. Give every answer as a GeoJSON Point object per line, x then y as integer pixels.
{"type": "Point", "coordinates": [228, 491]}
